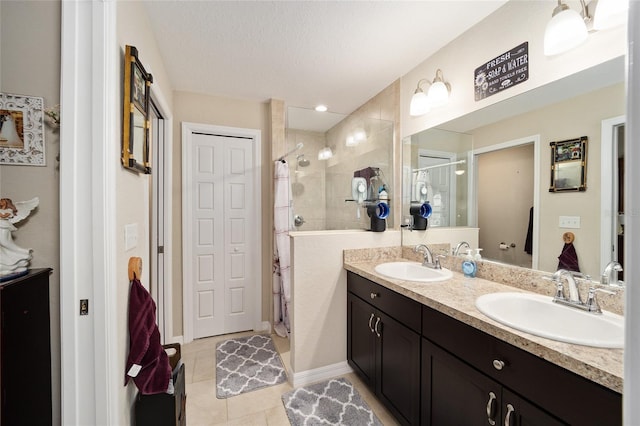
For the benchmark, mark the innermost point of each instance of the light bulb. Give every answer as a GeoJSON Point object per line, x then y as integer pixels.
{"type": "Point", "coordinates": [419, 103]}
{"type": "Point", "coordinates": [564, 31]}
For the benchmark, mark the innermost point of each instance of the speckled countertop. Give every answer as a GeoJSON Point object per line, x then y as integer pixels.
{"type": "Point", "coordinates": [456, 298]}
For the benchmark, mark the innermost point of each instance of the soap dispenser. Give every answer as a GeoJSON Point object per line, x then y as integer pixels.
{"type": "Point", "coordinates": [478, 256]}
{"type": "Point", "coordinates": [469, 266]}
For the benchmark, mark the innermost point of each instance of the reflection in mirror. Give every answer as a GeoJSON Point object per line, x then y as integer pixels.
{"type": "Point", "coordinates": [523, 127]}
{"type": "Point", "coordinates": [321, 188]}
{"type": "Point", "coordinates": [138, 134]}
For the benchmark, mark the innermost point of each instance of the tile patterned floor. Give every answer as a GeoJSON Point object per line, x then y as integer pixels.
{"type": "Point", "coordinates": [260, 407]}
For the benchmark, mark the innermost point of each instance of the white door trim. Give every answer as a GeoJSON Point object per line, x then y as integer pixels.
{"type": "Point", "coordinates": [187, 231]}
{"type": "Point", "coordinates": [607, 180]}
{"type": "Point", "coordinates": [167, 199]}
{"type": "Point", "coordinates": [536, 186]}
{"type": "Point", "coordinates": [90, 379]}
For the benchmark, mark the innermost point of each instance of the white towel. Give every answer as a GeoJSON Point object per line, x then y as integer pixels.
{"type": "Point", "coordinates": [282, 222]}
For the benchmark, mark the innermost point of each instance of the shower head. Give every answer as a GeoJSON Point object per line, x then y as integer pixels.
{"type": "Point", "coordinates": [302, 162]}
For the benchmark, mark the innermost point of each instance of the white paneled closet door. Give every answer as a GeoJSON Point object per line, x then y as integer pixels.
{"type": "Point", "coordinates": [222, 212]}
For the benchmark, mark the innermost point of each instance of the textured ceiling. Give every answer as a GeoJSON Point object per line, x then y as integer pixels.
{"type": "Point", "coordinates": [340, 53]}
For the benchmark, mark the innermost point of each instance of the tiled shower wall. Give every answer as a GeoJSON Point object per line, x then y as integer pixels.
{"type": "Point", "coordinates": [320, 189]}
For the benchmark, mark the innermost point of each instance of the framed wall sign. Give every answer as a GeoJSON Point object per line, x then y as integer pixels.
{"type": "Point", "coordinates": [21, 130]}
{"type": "Point", "coordinates": [569, 165]}
{"type": "Point", "coordinates": [135, 120]}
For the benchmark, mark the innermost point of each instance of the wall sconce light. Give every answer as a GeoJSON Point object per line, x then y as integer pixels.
{"type": "Point", "coordinates": [437, 95]}
{"type": "Point", "coordinates": [357, 137]}
{"type": "Point", "coordinates": [610, 13]}
{"type": "Point", "coordinates": [325, 153]}
{"type": "Point", "coordinates": [566, 29]}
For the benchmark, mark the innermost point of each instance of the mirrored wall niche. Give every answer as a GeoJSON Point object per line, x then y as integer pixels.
{"type": "Point", "coordinates": [509, 172]}
{"type": "Point", "coordinates": [321, 189]}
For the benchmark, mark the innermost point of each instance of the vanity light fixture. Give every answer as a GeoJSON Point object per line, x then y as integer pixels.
{"type": "Point", "coordinates": [566, 29]}
{"type": "Point", "coordinates": [437, 95]}
{"type": "Point", "coordinates": [325, 153]}
{"type": "Point", "coordinates": [321, 108]}
{"type": "Point", "coordinates": [610, 13]}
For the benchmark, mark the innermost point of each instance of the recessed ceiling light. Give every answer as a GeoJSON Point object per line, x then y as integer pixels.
{"type": "Point", "coordinates": [321, 108]}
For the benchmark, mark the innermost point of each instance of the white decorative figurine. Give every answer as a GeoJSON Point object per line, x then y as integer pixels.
{"type": "Point", "coordinates": [14, 260]}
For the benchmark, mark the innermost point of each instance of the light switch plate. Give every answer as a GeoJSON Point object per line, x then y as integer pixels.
{"type": "Point", "coordinates": [130, 236]}
{"type": "Point", "coordinates": [571, 222]}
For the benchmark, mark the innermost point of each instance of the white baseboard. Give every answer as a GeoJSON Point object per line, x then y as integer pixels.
{"type": "Point", "coordinates": [323, 373]}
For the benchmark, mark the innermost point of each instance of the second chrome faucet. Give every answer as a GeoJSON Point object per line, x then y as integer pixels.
{"type": "Point", "coordinates": [430, 261]}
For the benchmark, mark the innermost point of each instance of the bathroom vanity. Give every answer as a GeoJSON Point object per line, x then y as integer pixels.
{"type": "Point", "coordinates": [432, 358]}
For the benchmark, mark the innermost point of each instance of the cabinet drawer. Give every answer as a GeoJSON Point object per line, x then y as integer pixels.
{"type": "Point", "coordinates": [400, 307]}
{"type": "Point", "coordinates": [566, 395]}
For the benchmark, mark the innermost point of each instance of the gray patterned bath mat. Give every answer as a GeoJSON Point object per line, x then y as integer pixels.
{"type": "Point", "coordinates": [334, 402]}
{"type": "Point", "coordinates": [247, 364]}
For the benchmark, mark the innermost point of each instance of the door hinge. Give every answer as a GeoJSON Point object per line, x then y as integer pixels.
{"type": "Point", "coordinates": [160, 249]}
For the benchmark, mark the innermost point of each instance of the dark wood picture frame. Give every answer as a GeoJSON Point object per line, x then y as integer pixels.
{"type": "Point", "coordinates": [569, 165]}
{"type": "Point", "coordinates": [135, 120]}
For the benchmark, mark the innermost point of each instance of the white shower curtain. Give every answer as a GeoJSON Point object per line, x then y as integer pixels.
{"type": "Point", "coordinates": [282, 222]}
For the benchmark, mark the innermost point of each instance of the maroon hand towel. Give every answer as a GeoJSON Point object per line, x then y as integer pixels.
{"type": "Point", "coordinates": [145, 349]}
{"type": "Point", "coordinates": [568, 259]}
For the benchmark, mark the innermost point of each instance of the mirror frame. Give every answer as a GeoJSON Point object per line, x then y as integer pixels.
{"type": "Point", "coordinates": [569, 158]}
{"type": "Point", "coordinates": [137, 84]}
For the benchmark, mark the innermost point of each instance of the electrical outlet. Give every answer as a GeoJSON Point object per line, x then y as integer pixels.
{"type": "Point", "coordinates": [84, 306]}
{"type": "Point", "coordinates": [572, 222]}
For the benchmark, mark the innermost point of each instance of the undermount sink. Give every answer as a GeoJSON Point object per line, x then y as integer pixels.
{"type": "Point", "coordinates": [539, 315]}
{"type": "Point", "coordinates": [413, 271]}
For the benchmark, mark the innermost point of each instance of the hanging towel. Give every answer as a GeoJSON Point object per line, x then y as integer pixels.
{"type": "Point", "coordinates": [367, 173]}
{"type": "Point", "coordinates": [282, 222]}
{"type": "Point", "coordinates": [147, 363]}
{"type": "Point", "coordinates": [568, 259]}
{"type": "Point", "coordinates": [528, 242]}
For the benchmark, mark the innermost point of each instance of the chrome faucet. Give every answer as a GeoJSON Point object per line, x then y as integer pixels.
{"type": "Point", "coordinates": [456, 250]}
{"type": "Point", "coordinates": [610, 274]}
{"type": "Point", "coordinates": [574, 291]}
{"type": "Point", "coordinates": [429, 260]}
{"type": "Point", "coordinates": [574, 300]}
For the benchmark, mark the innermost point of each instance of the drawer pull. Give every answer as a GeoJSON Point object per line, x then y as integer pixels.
{"type": "Point", "coordinates": [371, 319]}
{"type": "Point", "coordinates": [507, 418]}
{"type": "Point", "coordinates": [374, 295]}
{"type": "Point", "coordinates": [497, 364]}
{"type": "Point", "coordinates": [375, 327]}
{"type": "Point", "coordinates": [491, 409]}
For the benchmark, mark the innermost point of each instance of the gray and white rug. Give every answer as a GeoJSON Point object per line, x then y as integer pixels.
{"type": "Point", "coordinates": [246, 364]}
{"type": "Point", "coordinates": [334, 402]}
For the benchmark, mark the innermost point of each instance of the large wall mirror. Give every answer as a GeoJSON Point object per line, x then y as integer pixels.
{"type": "Point", "coordinates": [490, 170]}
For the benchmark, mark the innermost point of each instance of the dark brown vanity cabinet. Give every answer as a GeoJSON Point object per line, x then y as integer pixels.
{"type": "Point", "coordinates": [453, 393]}
{"type": "Point", "coordinates": [462, 367]}
{"type": "Point", "coordinates": [383, 345]}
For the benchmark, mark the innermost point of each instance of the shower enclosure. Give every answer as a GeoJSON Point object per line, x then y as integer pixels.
{"type": "Point", "coordinates": [321, 189]}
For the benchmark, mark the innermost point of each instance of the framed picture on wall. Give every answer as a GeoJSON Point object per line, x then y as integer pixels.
{"type": "Point", "coordinates": [21, 130]}
{"type": "Point", "coordinates": [135, 121]}
{"type": "Point", "coordinates": [569, 165]}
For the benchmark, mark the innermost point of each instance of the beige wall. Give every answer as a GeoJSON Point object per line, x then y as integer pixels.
{"type": "Point", "coordinates": [505, 194]}
{"type": "Point", "coordinates": [319, 294]}
{"type": "Point", "coordinates": [133, 189]}
{"type": "Point", "coordinates": [581, 116]}
{"type": "Point", "coordinates": [197, 108]}
{"type": "Point", "coordinates": [30, 65]}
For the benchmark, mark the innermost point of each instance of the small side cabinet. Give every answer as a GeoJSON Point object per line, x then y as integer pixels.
{"type": "Point", "coordinates": [164, 409]}
{"type": "Point", "coordinates": [25, 340]}
{"type": "Point", "coordinates": [383, 345]}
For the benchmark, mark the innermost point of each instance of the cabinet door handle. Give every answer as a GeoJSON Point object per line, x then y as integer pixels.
{"type": "Point", "coordinates": [491, 409]}
{"type": "Point", "coordinates": [371, 319]}
{"type": "Point", "coordinates": [507, 418]}
{"type": "Point", "coordinates": [375, 327]}
{"type": "Point", "coordinates": [498, 364]}
{"type": "Point", "coordinates": [374, 295]}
